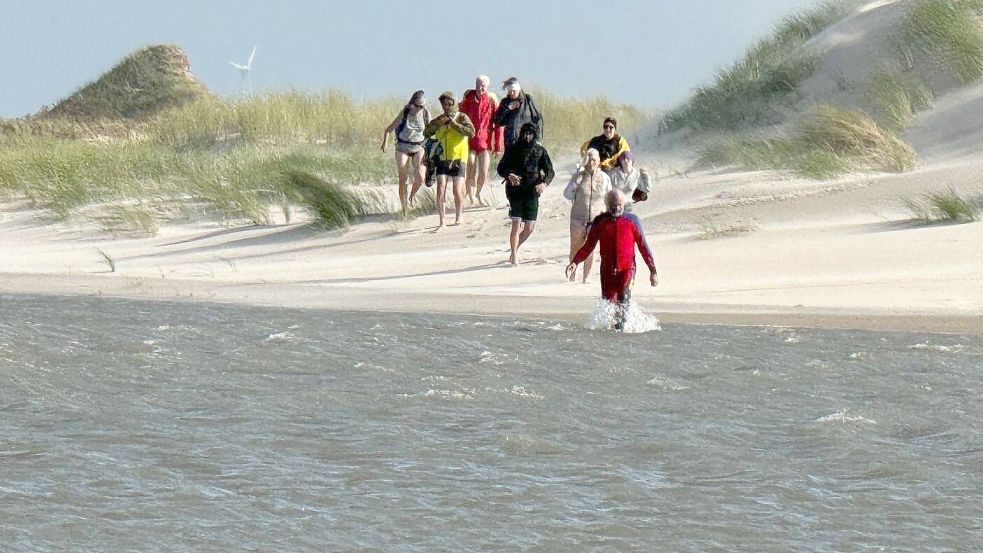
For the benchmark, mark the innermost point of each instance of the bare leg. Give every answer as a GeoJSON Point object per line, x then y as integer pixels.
{"type": "Point", "coordinates": [469, 177]}
{"type": "Point", "coordinates": [514, 240]}
{"type": "Point", "coordinates": [419, 172]}
{"type": "Point", "coordinates": [441, 198]}
{"type": "Point", "coordinates": [458, 184]}
{"type": "Point", "coordinates": [484, 163]}
{"type": "Point", "coordinates": [402, 170]}
{"type": "Point", "coordinates": [578, 235]}
{"type": "Point", "coordinates": [527, 228]}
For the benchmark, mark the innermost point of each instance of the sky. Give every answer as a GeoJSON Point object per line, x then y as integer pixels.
{"type": "Point", "coordinates": [652, 53]}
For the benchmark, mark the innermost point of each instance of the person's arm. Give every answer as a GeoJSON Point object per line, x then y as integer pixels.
{"type": "Point", "coordinates": [389, 130]}
{"type": "Point", "coordinates": [505, 164]}
{"type": "Point", "coordinates": [502, 112]}
{"type": "Point", "coordinates": [546, 166]}
{"type": "Point", "coordinates": [463, 125]}
{"type": "Point", "coordinates": [433, 126]}
{"type": "Point", "coordinates": [570, 192]}
{"type": "Point", "coordinates": [643, 248]}
{"type": "Point", "coordinates": [497, 131]}
{"type": "Point", "coordinates": [610, 162]}
{"type": "Point", "coordinates": [537, 118]}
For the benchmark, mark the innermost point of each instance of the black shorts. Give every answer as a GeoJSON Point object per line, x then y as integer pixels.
{"type": "Point", "coordinates": [452, 168]}
{"type": "Point", "coordinates": [526, 209]}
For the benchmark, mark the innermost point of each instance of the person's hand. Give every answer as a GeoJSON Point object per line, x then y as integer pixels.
{"type": "Point", "coordinates": [540, 188]}
{"type": "Point", "coordinates": [654, 278]}
{"type": "Point", "coordinates": [573, 267]}
{"type": "Point", "coordinates": [513, 105]}
{"type": "Point", "coordinates": [514, 179]}
{"type": "Point", "coordinates": [383, 146]}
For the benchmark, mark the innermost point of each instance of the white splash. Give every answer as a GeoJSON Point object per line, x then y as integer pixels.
{"type": "Point", "coordinates": [842, 416]}
{"type": "Point", "coordinates": [937, 347]}
{"type": "Point", "coordinates": [666, 384]}
{"type": "Point", "coordinates": [281, 337]}
{"type": "Point", "coordinates": [637, 320]}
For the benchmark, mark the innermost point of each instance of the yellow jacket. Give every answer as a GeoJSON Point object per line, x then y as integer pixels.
{"type": "Point", "coordinates": [454, 137]}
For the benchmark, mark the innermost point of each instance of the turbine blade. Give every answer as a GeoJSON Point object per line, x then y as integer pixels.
{"type": "Point", "coordinates": [251, 56]}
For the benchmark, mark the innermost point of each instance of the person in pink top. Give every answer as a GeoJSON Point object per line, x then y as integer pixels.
{"type": "Point", "coordinates": [489, 138]}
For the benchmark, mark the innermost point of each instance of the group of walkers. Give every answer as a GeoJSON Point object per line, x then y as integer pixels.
{"type": "Point", "coordinates": [456, 149]}
{"type": "Point", "coordinates": [460, 141]}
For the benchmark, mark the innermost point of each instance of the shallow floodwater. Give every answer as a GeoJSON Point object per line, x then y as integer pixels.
{"type": "Point", "coordinates": [151, 426]}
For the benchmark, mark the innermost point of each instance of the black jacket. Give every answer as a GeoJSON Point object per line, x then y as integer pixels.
{"type": "Point", "coordinates": [512, 120]}
{"type": "Point", "coordinates": [533, 165]}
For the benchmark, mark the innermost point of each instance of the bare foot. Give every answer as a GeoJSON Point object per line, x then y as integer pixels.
{"type": "Point", "coordinates": [438, 227]}
{"type": "Point", "coordinates": [512, 260]}
{"type": "Point", "coordinates": [573, 275]}
{"type": "Point", "coordinates": [455, 223]}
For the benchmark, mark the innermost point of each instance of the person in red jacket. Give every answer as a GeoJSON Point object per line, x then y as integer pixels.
{"type": "Point", "coordinates": [618, 233]}
{"type": "Point", "coordinates": [489, 138]}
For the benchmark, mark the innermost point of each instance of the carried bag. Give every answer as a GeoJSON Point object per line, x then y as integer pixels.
{"type": "Point", "coordinates": [432, 151]}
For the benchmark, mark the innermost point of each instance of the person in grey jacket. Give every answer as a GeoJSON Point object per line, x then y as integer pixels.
{"type": "Point", "coordinates": [515, 110]}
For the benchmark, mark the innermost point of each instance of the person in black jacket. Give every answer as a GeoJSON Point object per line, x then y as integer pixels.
{"type": "Point", "coordinates": [527, 170]}
{"type": "Point", "coordinates": [515, 110]}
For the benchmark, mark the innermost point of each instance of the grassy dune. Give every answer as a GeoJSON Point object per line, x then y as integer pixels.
{"type": "Point", "coordinates": [761, 90]}
{"type": "Point", "coordinates": [234, 159]}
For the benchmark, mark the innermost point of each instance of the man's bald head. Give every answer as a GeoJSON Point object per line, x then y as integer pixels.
{"type": "Point", "coordinates": [616, 200]}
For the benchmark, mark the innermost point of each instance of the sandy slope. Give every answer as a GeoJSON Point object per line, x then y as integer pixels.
{"type": "Point", "coordinates": [836, 253]}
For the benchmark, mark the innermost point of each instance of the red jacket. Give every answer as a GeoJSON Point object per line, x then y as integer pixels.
{"type": "Point", "coordinates": [488, 135]}
{"type": "Point", "coordinates": [618, 237]}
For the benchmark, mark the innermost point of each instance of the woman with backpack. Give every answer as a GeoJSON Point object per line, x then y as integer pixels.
{"type": "Point", "coordinates": [408, 127]}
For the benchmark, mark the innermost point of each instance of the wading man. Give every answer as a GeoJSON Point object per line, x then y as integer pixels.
{"type": "Point", "coordinates": [619, 233]}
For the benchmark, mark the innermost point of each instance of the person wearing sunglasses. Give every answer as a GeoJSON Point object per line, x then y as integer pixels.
{"type": "Point", "coordinates": [452, 129]}
{"type": "Point", "coordinates": [408, 127]}
{"type": "Point", "coordinates": [609, 144]}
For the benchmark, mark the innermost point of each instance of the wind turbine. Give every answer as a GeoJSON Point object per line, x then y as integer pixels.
{"type": "Point", "coordinates": [244, 71]}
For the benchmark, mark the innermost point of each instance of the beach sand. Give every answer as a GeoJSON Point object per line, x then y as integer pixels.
{"type": "Point", "coordinates": [735, 248]}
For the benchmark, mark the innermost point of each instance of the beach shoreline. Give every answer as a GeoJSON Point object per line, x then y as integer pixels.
{"type": "Point", "coordinates": [569, 309]}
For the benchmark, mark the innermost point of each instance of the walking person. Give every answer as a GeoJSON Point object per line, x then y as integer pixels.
{"type": "Point", "coordinates": [618, 233]}
{"type": "Point", "coordinates": [586, 190]}
{"type": "Point", "coordinates": [609, 144]}
{"type": "Point", "coordinates": [517, 109]}
{"type": "Point", "coordinates": [452, 129]}
{"type": "Point", "coordinates": [634, 181]}
{"type": "Point", "coordinates": [527, 170]}
{"type": "Point", "coordinates": [408, 127]}
{"type": "Point", "coordinates": [488, 138]}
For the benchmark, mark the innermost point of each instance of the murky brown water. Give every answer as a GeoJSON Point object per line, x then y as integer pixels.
{"type": "Point", "coordinates": [138, 426]}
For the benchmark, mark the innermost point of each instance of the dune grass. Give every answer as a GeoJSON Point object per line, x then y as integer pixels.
{"type": "Point", "coordinates": [754, 90]}
{"type": "Point", "coordinates": [238, 159]}
{"type": "Point", "coordinates": [896, 96]}
{"type": "Point", "coordinates": [944, 207]}
{"type": "Point", "coordinates": [826, 143]}
{"type": "Point", "coordinates": [948, 31]}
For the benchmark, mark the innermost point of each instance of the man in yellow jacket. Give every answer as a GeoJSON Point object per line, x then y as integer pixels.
{"type": "Point", "coordinates": [452, 129]}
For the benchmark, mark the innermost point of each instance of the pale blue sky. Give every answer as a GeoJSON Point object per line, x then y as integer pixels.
{"type": "Point", "coordinates": [649, 52]}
